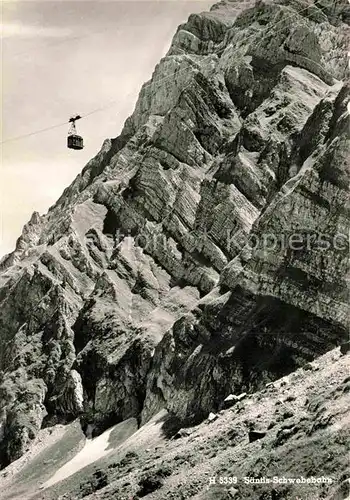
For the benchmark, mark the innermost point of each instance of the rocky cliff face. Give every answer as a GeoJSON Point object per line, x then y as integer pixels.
{"type": "Point", "coordinates": [203, 251]}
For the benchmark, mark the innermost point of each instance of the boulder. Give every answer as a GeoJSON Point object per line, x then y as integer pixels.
{"type": "Point", "coordinates": [255, 435]}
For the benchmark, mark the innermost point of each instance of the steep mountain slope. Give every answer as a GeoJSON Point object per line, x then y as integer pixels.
{"type": "Point", "coordinates": [303, 430]}
{"type": "Point", "coordinates": [202, 252]}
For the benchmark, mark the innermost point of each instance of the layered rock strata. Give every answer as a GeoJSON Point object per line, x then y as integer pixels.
{"type": "Point", "coordinates": [204, 251]}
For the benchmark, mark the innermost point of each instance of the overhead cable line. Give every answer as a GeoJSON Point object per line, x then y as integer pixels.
{"type": "Point", "coordinates": [151, 82]}
{"type": "Point", "coordinates": [57, 125]}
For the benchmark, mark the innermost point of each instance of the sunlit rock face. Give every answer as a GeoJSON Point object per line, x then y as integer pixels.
{"type": "Point", "coordinates": [202, 252]}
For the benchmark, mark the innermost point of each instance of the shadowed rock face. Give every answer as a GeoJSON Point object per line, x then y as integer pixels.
{"type": "Point", "coordinates": [201, 253]}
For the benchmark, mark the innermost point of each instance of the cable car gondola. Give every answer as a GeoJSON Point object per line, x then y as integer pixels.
{"type": "Point", "coordinates": [74, 141]}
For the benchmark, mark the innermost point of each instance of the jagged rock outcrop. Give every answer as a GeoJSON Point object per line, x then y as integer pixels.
{"type": "Point", "coordinates": [165, 275]}
{"type": "Point", "coordinates": [280, 302]}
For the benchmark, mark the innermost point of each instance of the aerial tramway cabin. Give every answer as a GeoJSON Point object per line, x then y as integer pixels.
{"type": "Point", "coordinates": [74, 141]}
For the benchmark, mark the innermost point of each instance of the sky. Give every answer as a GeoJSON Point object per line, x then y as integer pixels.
{"type": "Point", "coordinates": [60, 58]}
